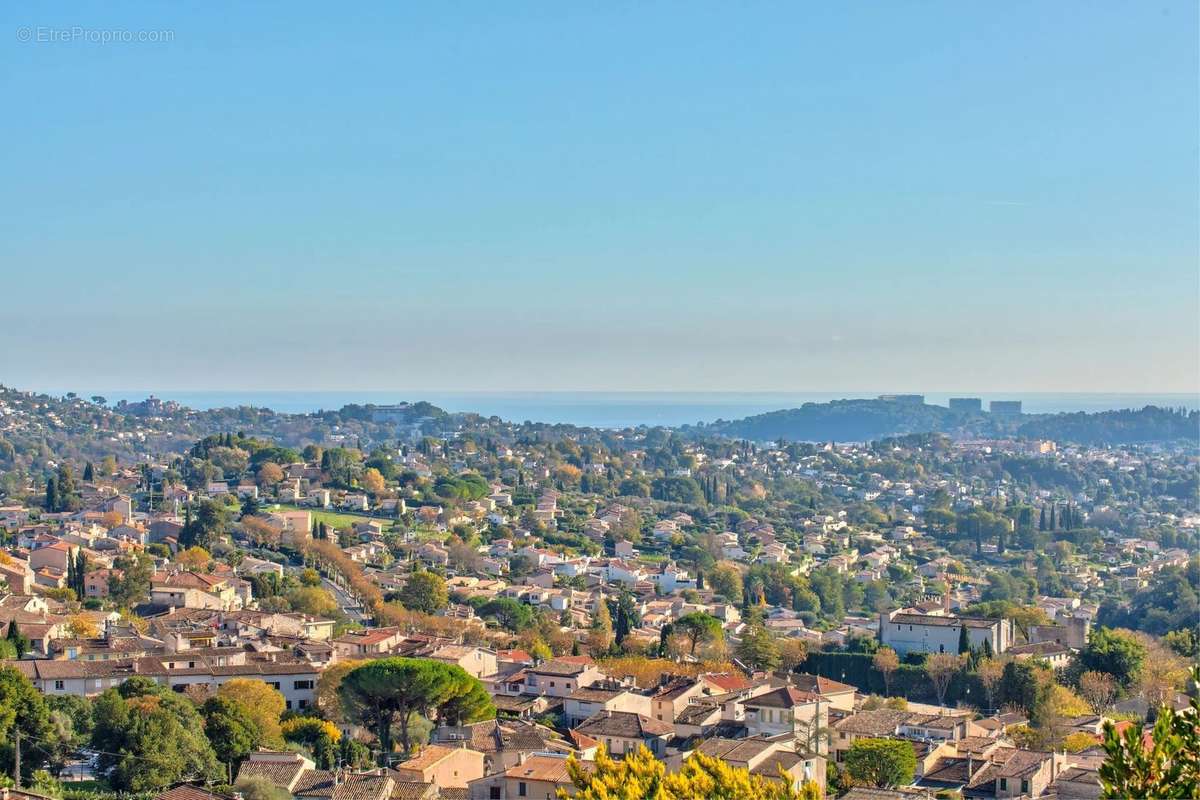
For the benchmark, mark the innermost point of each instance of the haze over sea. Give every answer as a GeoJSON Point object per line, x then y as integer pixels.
{"type": "Point", "coordinates": [622, 409]}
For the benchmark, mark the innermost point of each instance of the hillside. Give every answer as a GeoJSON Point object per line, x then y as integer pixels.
{"type": "Point", "coordinates": [866, 420]}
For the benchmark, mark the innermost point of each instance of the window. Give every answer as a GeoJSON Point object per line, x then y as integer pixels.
{"type": "Point", "coordinates": [288, 704]}
{"type": "Point", "coordinates": [59, 685]}
{"type": "Point", "coordinates": [493, 793]}
{"type": "Point", "coordinates": [522, 790]}
{"type": "Point", "coordinates": [1024, 786]}
{"type": "Point", "coordinates": [302, 684]}
{"type": "Point", "coordinates": [1004, 784]}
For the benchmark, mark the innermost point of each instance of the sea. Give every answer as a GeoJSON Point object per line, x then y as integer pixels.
{"type": "Point", "coordinates": [628, 409]}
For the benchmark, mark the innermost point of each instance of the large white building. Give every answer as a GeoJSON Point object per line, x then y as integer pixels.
{"type": "Point", "coordinates": [922, 633]}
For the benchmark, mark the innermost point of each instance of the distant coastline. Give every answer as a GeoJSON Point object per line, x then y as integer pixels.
{"type": "Point", "coordinates": [621, 409]}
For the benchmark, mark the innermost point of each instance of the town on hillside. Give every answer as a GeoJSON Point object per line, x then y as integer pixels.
{"type": "Point", "coordinates": [396, 602]}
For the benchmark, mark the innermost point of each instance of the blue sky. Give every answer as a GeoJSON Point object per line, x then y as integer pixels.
{"type": "Point", "coordinates": [610, 196]}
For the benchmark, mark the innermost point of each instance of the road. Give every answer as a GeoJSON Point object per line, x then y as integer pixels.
{"type": "Point", "coordinates": [349, 605]}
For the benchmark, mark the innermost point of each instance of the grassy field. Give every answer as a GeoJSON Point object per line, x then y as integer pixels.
{"type": "Point", "coordinates": [335, 519]}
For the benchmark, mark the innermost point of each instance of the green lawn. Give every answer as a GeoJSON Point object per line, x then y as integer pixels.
{"type": "Point", "coordinates": [334, 519]}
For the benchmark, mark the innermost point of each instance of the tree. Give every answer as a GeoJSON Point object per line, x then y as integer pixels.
{"type": "Point", "coordinates": [698, 627]}
{"type": "Point", "coordinates": [940, 668]}
{"type": "Point", "coordinates": [964, 641]}
{"type": "Point", "coordinates": [257, 787]}
{"type": "Point", "coordinates": [328, 702]}
{"type": "Point", "coordinates": [793, 653]}
{"type": "Point", "coordinates": [726, 580]}
{"type": "Point", "coordinates": [625, 617]}
{"type": "Point", "coordinates": [1115, 652]}
{"type": "Point", "coordinates": [194, 558]}
{"type": "Point", "coordinates": [600, 634]}
{"type": "Point", "coordinates": [390, 692]}
{"type": "Point", "coordinates": [425, 592]}
{"type": "Point", "coordinates": [990, 672]}
{"type": "Point", "coordinates": [887, 662]}
{"type": "Point", "coordinates": [231, 729]}
{"type": "Point", "coordinates": [132, 584]}
{"type": "Point", "coordinates": [208, 523]}
{"type": "Point", "coordinates": [269, 473]}
{"type": "Point", "coordinates": [1168, 768]}
{"type": "Point", "coordinates": [1028, 685]}
{"type": "Point", "coordinates": [22, 708]}
{"type": "Point", "coordinates": [150, 737]}
{"type": "Point", "coordinates": [318, 735]}
{"type": "Point", "coordinates": [1098, 689]}
{"type": "Point", "coordinates": [882, 763]}
{"type": "Point", "coordinates": [758, 649]}
{"type": "Point", "coordinates": [18, 640]}
{"type": "Point", "coordinates": [81, 626]}
{"type": "Point", "coordinates": [312, 600]}
{"type": "Point", "coordinates": [264, 704]}
{"type": "Point", "coordinates": [373, 482]}
{"type": "Point", "coordinates": [642, 776]}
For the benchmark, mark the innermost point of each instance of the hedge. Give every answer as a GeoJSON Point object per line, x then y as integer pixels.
{"type": "Point", "coordinates": [908, 681]}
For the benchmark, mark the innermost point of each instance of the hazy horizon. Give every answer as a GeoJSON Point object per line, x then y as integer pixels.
{"type": "Point", "coordinates": [667, 198]}
{"type": "Point", "coordinates": [627, 409]}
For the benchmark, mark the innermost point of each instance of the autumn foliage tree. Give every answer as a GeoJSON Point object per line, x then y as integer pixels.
{"type": "Point", "coordinates": [264, 704]}
{"type": "Point", "coordinates": [887, 662]}
{"type": "Point", "coordinates": [941, 668]}
{"type": "Point", "coordinates": [642, 776]}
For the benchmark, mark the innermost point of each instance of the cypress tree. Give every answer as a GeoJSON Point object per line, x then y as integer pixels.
{"type": "Point", "coordinates": [81, 565]}
{"type": "Point", "coordinates": [89, 473]}
{"type": "Point", "coordinates": [1053, 512]}
{"type": "Point", "coordinates": [964, 640]}
{"type": "Point", "coordinates": [1042, 519]}
{"type": "Point", "coordinates": [52, 493]}
{"type": "Point", "coordinates": [19, 642]}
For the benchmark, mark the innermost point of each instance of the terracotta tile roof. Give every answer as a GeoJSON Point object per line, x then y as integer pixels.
{"type": "Point", "coordinates": [412, 790]}
{"type": "Point", "coordinates": [428, 756]}
{"type": "Point", "coordinates": [187, 792]}
{"type": "Point", "coordinates": [1022, 763]}
{"type": "Point", "coordinates": [741, 750]}
{"type": "Point", "coordinates": [543, 768]}
{"type": "Point", "coordinates": [559, 667]}
{"type": "Point", "coordinates": [784, 697]}
{"type": "Point", "coordinates": [880, 722]}
{"type": "Point", "coordinates": [820, 684]}
{"type": "Point", "coordinates": [281, 773]}
{"type": "Point", "coordinates": [624, 724]}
